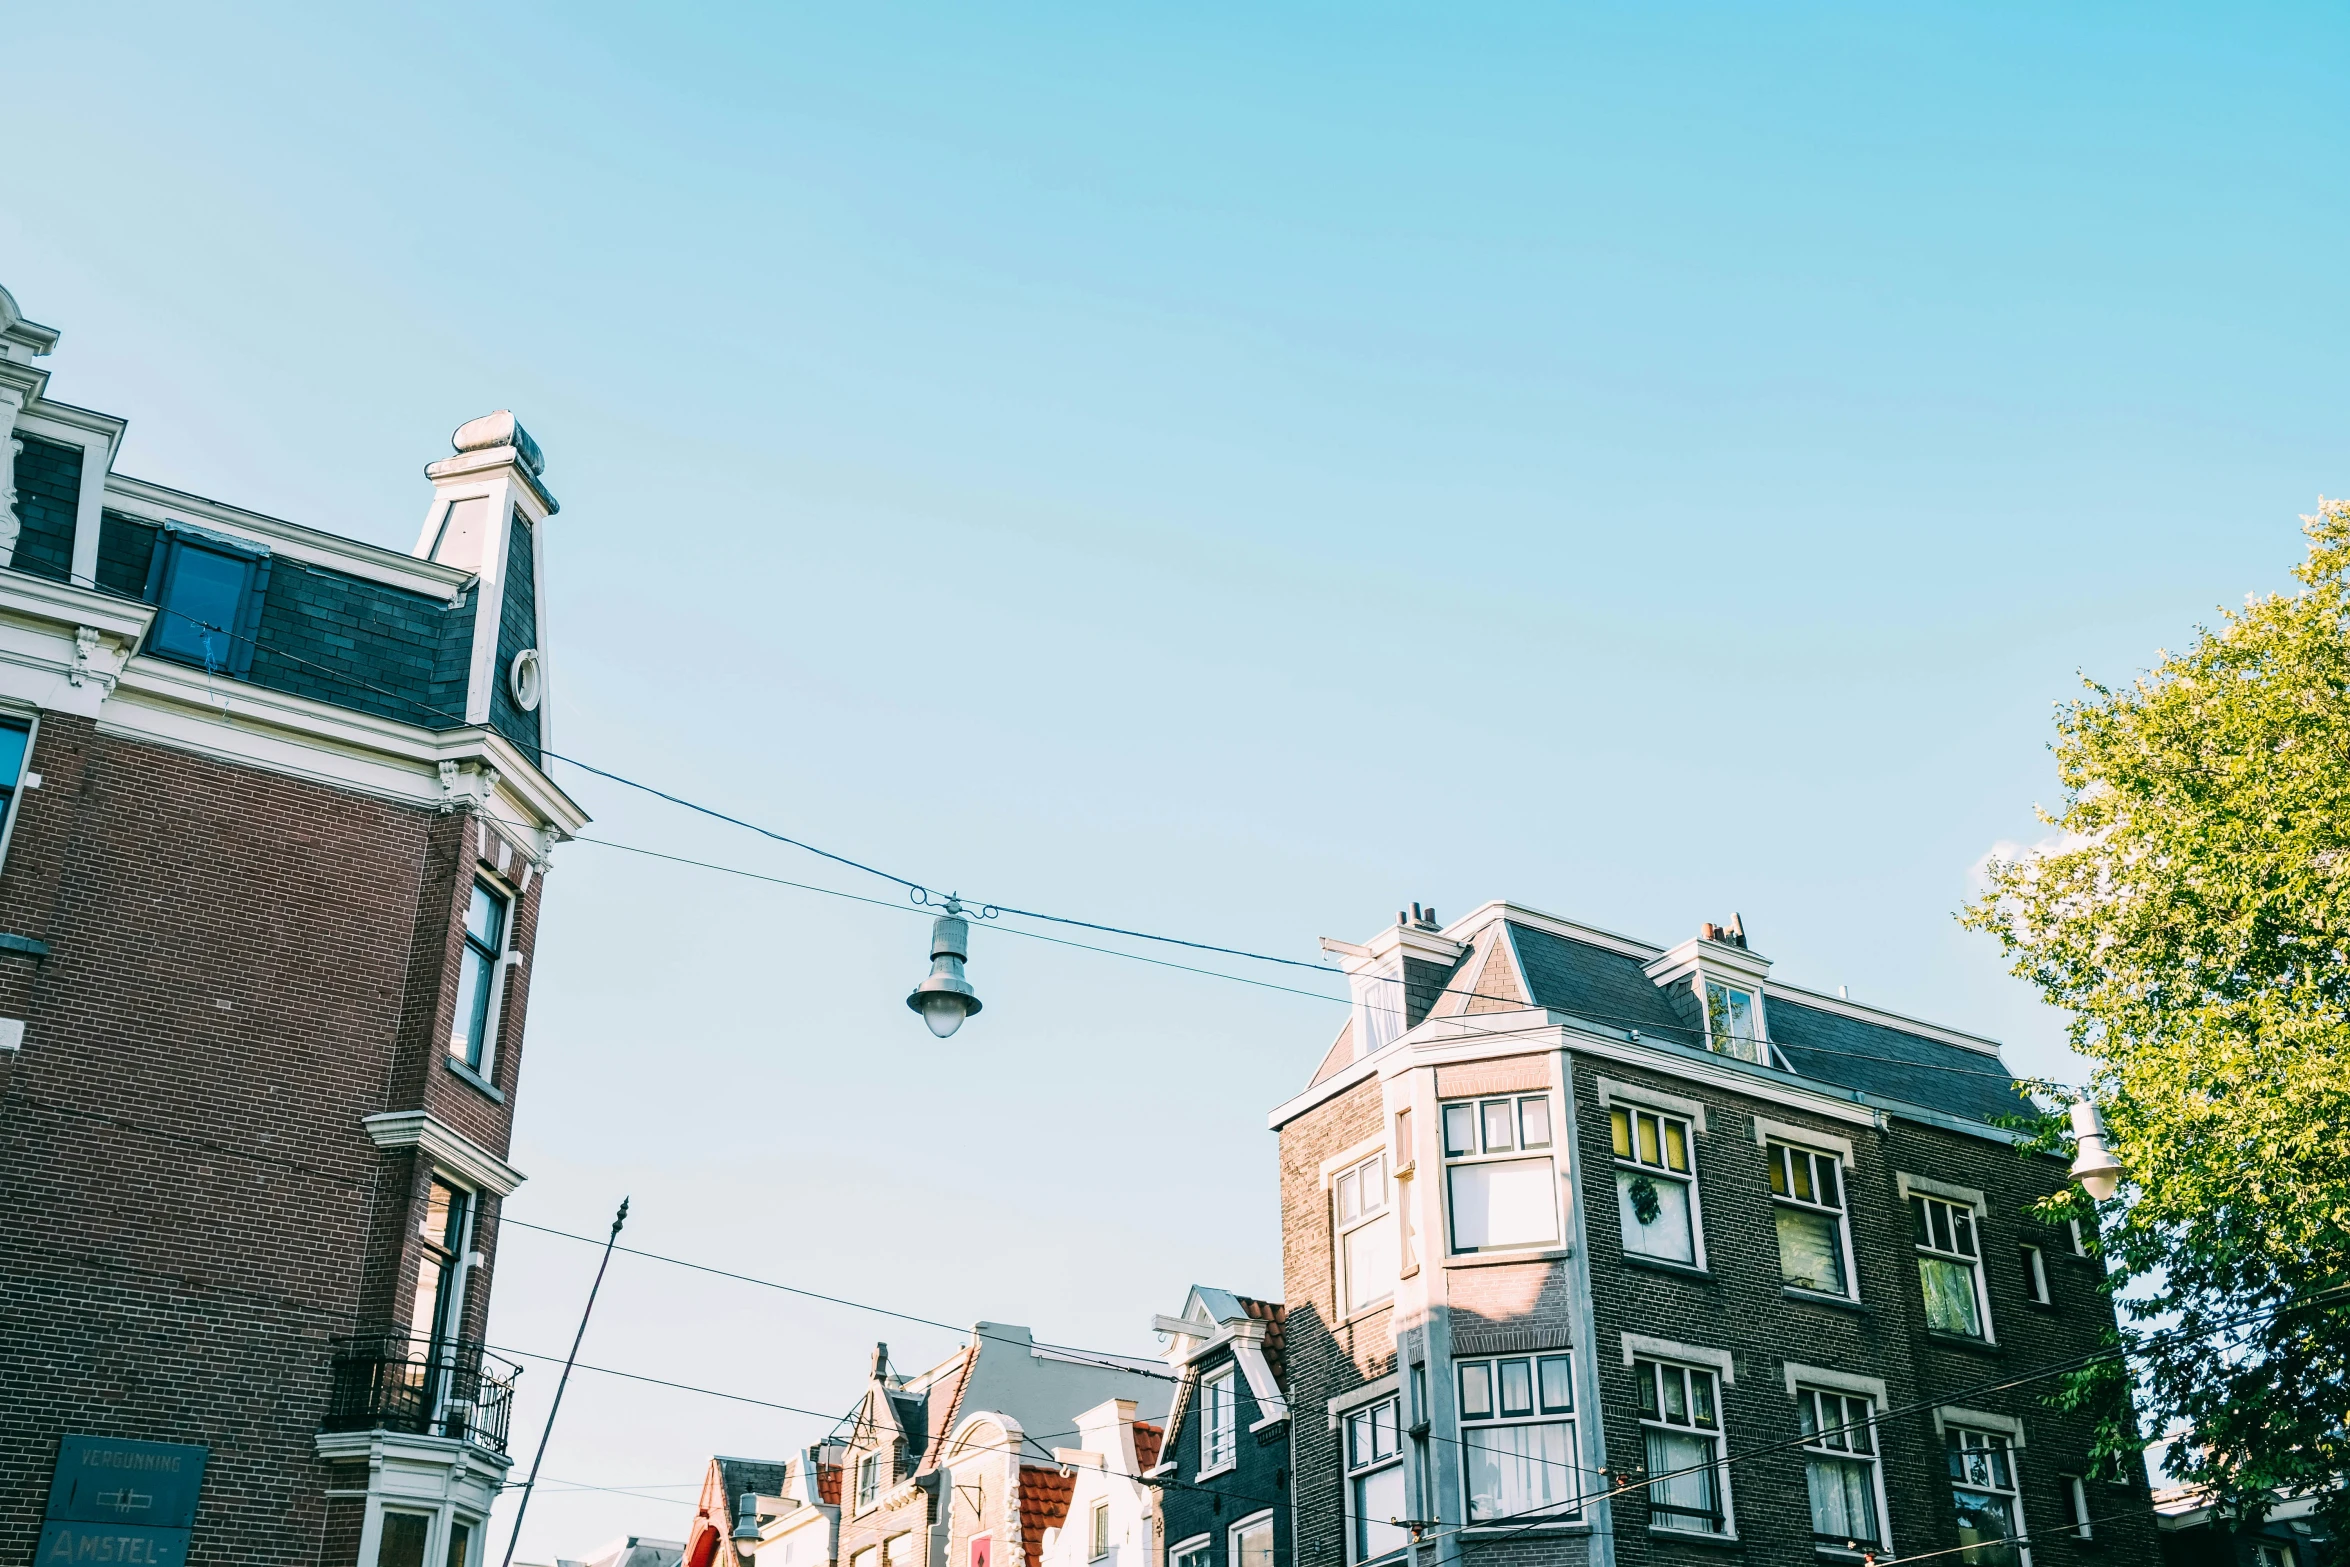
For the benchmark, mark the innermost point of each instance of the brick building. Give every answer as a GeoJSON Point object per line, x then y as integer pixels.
{"type": "Point", "coordinates": [1601, 1252]}
{"type": "Point", "coordinates": [271, 868]}
{"type": "Point", "coordinates": [1223, 1475]}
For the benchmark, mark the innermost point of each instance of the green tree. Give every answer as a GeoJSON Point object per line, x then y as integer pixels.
{"type": "Point", "coordinates": [2193, 916]}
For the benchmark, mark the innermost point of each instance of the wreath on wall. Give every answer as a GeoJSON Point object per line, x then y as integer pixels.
{"type": "Point", "coordinates": [1645, 1206]}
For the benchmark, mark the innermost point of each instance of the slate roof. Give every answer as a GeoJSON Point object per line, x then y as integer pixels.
{"type": "Point", "coordinates": [761, 1475]}
{"type": "Point", "coordinates": [1608, 987]}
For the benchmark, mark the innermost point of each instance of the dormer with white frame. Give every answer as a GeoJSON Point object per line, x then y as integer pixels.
{"type": "Point", "coordinates": [1716, 982]}
{"type": "Point", "coordinates": [1380, 976]}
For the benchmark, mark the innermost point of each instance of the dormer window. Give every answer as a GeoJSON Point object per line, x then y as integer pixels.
{"type": "Point", "coordinates": [1378, 998]}
{"type": "Point", "coordinates": [1730, 1023]}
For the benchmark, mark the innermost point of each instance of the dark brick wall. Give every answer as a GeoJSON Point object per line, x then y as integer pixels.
{"type": "Point", "coordinates": [364, 645]}
{"type": "Point", "coordinates": [189, 1206]}
{"type": "Point", "coordinates": [48, 498]}
{"type": "Point", "coordinates": [1259, 1477]}
{"type": "Point", "coordinates": [518, 628]}
{"type": "Point", "coordinates": [1740, 1304]}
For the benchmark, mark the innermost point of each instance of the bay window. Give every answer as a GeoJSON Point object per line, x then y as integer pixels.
{"type": "Point", "coordinates": [1950, 1274]}
{"type": "Point", "coordinates": [1680, 1416]}
{"type": "Point", "coordinates": [1501, 1183]}
{"type": "Point", "coordinates": [1368, 1256]}
{"type": "Point", "coordinates": [1654, 1180]}
{"type": "Point", "coordinates": [1840, 1468]}
{"type": "Point", "coordinates": [1518, 1449]}
{"type": "Point", "coordinates": [1374, 1483]}
{"type": "Point", "coordinates": [1807, 1206]}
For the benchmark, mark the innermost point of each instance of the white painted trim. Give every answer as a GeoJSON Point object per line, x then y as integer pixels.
{"type": "Point", "coordinates": [1923, 1186]}
{"type": "Point", "coordinates": [1611, 1091]}
{"type": "Point", "coordinates": [1767, 1132]}
{"type": "Point", "coordinates": [1337, 1164]}
{"type": "Point", "coordinates": [448, 1148]}
{"type": "Point", "coordinates": [151, 502]}
{"type": "Point", "coordinates": [1639, 1346]}
{"type": "Point", "coordinates": [1388, 1386]}
{"type": "Point", "coordinates": [1836, 1382]}
{"type": "Point", "coordinates": [1189, 1542]}
{"type": "Point", "coordinates": [1946, 1416]}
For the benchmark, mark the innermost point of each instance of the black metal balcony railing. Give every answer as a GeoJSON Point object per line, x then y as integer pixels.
{"type": "Point", "coordinates": [392, 1382]}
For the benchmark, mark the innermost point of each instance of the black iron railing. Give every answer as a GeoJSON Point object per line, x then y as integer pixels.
{"type": "Point", "coordinates": [392, 1382]}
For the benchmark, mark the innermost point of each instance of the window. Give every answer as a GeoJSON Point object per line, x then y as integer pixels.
{"type": "Point", "coordinates": [1947, 1272]}
{"type": "Point", "coordinates": [1499, 1179]}
{"type": "Point", "coordinates": [1193, 1554]}
{"type": "Point", "coordinates": [1101, 1530]}
{"type": "Point", "coordinates": [1252, 1541]}
{"type": "Point", "coordinates": [1680, 1414]}
{"type": "Point", "coordinates": [898, 1549]}
{"type": "Point", "coordinates": [207, 591]}
{"type": "Point", "coordinates": [404, 1539]}
{"type": "Point", "coordinates": [1807, 1204]}
{"type": "Point", "coordinates": [2076, 1498]}
{"type": "Point", "coordinates": [477, 978]}
{"type": "Point", "coordinates": [1653, 1181]}
{"type": "Point", "coordinates": [1839, 1468]}
{"type": "Point", "coordinates": [1219, 1432]}
{"type": "Point", "coordinates": [1367, 1254]}
{"type": "Point", "coordinates": [439, 1305]}
{"type": "Point", "coordinates": [2271, 1553]}
{"type": "Point", "coordinates": [1982, 1483]}
{"type": "Point", "coordinates": [870, 1556]}
{"type": "Point", "coordinates": [460, 1543]}
{"type": "Point", "coordinates": [1378, 999]}
{"type": "Point", "coordinates": [1374, 1484]}
{"type": "Point", "coordinates": [2072, 1230]}
{"type": "Point", "coordinates": [868, 1489]}
{"type": "Point", "coordinates": [1518, 1454]}
{"type": "Point", "coordinates": [2035, 1275]}
{"type": "Point", "coordinates": [16, 738]}
{"type": "Point", "coordinates": [1729, 1023]}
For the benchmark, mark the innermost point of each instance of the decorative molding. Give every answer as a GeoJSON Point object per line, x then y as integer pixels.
{"type": "Point", "coordinates": [1925, 1187]}
{"type": "Point", "coordinates": [1835, 1381]}
{"type": "Point", "coordinates": [452, 1150]}
{"type": "Point", "coordinates": [1767, 1131]}
{"type": "Point", "coordinates": [1946, 1415]}
{"type": "Point", "coordinates": [1640, 1345]}
{"type": "Point", "coordinates": [1612, 1090]}
{"type": "Point", "coordinates": [1368, 1393]}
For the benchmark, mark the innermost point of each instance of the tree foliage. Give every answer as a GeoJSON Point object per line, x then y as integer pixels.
{"type": "Point", "coordinates": [2194, 918]}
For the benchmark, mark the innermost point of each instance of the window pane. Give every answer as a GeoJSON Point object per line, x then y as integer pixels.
{"type": "Point", "coordinates": [1778, 1171]}
{"type": "Point", "coordinates": [1676, 1147]}
{"type": "Point", "coordinates": [485, 916]}
{"type": "Point", "coordinates": [1843, 1501]}
{"type": "Point", "coordinates": [1498, 1138]}
{"type": "Point", "coordinates": [1558, 1384]}
{"type": "Point", "coordinates": [1534, 1116]}
{"type": "Point", "coordinates": [1949, 1289]}
{"type": "Point", "coordinates": [1801, 1170]}
{"type": "Point", "coordinates": [12, 743]}
{"type": "Point", "coordinates": [1255, 1546]}
{"type": "Point", "coordinates": [1655, 1216]}
{"type": "Point", "coordinates": [1828, 1181]}
{"type": "Point", "coordinates": [1681, 1492]}
{"type": "Point", "coordinates": [1460, 1129]}
{"type": "Point", "coordinates": [471, 1031]}
{"type": "Point", "coordinates": [1347, 1207]}
{"type": "Point", "coordinates": [403, 1540]}
{"type": "Point", "coordinates": [204, 598]}
{"type": "Point", "coordinates": [460, 1543]}
{"type": "Point", "coordinates": [2035, 1286]}
{"type": "Point", "coordinates": [1987, 1524]}
{"type": "Point", "coordinates": [1676, 1385]}
{"type": "Point", "coordinates": [1917, 1214]}
{"type": "Point", "coordinates": [1378, 1497]}
{"type": "Point", "coordinates": [1373, 1180]}
{"type": "Point", "coordinates": [1372, 1263]}
{"type": "Point", "coordinates": [1964, 1227]}
{"type": "Point", "coordinates": [1512, 1471]}
{"type": "Point", "coordinates": [1517, 1387]}
{"type": "Point", "coordinates": [1510, 1202]}
{"type": "Point", "coordinates": [1811, 1250]}
{"type": "Point", "coordinates": [1621, 1125]}
{"type": "Point", "coordinates": [1648, 1148]}
{"type": "Point", "coordinates": [1701, 1397]}
{"type": "Point", "coordinates": [1477, 1392]}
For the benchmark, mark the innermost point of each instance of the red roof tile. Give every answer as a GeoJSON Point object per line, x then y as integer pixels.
{"type": "Point", "coordinates": [1147, 1438]}
{"type": "Point", "coordinates": [828, 1484]}
{"type": "Point", "coordinates": [1274, 1316]}
{"type": "Point", "coordinates": [1044, 1504]}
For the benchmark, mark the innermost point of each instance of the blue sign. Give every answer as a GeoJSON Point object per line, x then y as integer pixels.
{"type": "Point", "coordinates": [112, 1496]}
{"type": "Point", "coordinates": [118, 1545]}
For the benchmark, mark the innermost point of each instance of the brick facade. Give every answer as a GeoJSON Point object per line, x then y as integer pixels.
{"type": "Point", "coordinates": [240, 966]}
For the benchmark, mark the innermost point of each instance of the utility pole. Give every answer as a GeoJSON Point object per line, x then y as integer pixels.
{"type": "Point", "coordinates": [563, 1381]}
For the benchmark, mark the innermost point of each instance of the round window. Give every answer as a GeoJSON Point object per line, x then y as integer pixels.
{"type": "Point", "coordinates": [524, 680]}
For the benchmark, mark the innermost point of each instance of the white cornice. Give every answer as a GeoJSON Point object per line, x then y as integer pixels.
{"type": "Point", "coordinates": [156, 503]}
{"type": "Point", "coordinates": [450, 1149]}
{"type": "Point", "coordinates": [107, 428]}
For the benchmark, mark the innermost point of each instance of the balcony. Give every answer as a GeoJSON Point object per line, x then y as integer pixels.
{"type": "Point", "coordinates": [392, 1382]}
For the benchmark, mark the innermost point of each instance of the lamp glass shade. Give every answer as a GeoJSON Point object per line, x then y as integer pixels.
{"type": "Point", "coordinates": [943, 1011]}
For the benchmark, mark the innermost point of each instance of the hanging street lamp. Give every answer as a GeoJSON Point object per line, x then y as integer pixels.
{"type": "Point", "coordinates": [945, 997]}
{"type": "Point", "coordinates": [2094, 1165]}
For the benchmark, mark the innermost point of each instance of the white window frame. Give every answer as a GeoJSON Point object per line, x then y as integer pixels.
{"type": "Point", "coordinates": [1219, 1440]}
{"type": "Point", "coordinates": [866, 1497]}
{"type": "Point", "coordinates": [1351, 1473]}
{"type": "Point", "coordinates": [1872, 1401]}
{"type": "Point", "coordinates": [1097, 1543]}
{"type": "Point", "coordinates": [2076, 1500]}
{"type": "Point", "coordinates": [2279, 1552]}
{"type": "Point", "coordinates": [1759, 1038]}
{"type": "Point", "coordinates": [1782, 1152]}
{"type": "Point", "coordinates": [1632, 1110]}
{"type": "Point", "coordinates": [2035, 1261]}
{"type": "Point", "coordinates": [1957, 1207]}
{"type": "Point", "coordinates": [1648, 1365]}
{"type": "Point", "coordinates": [1378, 1006]}
{"type": "Point", "coordinates": [1344, 1229]}
{"type": "Point", "coordinates": [1232, 1535]}
{"type": "Point", "coordinates": [1483, 1151]}
{"type": "Point", "coordinates": [1196, 1550]}
{"type": "Point", "coordinates": [1537, 1414]}
{"type": "Point", "coordinates": [32, 737]}
{"type": "Point", "coordinates": [1954, 1430]}
{"type": "Point", "coordinates": [500, 963]}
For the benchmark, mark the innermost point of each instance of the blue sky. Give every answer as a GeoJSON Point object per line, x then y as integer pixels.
{"type": "Point", "coordinates": [1231, 470]}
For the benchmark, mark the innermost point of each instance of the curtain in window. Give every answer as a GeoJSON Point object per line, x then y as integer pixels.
{"type": "Point", "coordinates": [1378, 1497]}
{"type": "Point", "coordinates": [1843, 1504]}
{"type": "Point", "coordinates": [1811, 1252]}
{"type": "Point", "coordinates": [1655, 1215]}
{"type": "Point", "coordinates": [1950, 1296]}
{"type": "Point", "coordinates": [1515, 1471]}
{"type": "Point", "coordinates": [1373, 1260]}
{"type": "Point", "coordinates": [1504, 1202]}
{"type": "Point", "coordinates": [1682, 1494]}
